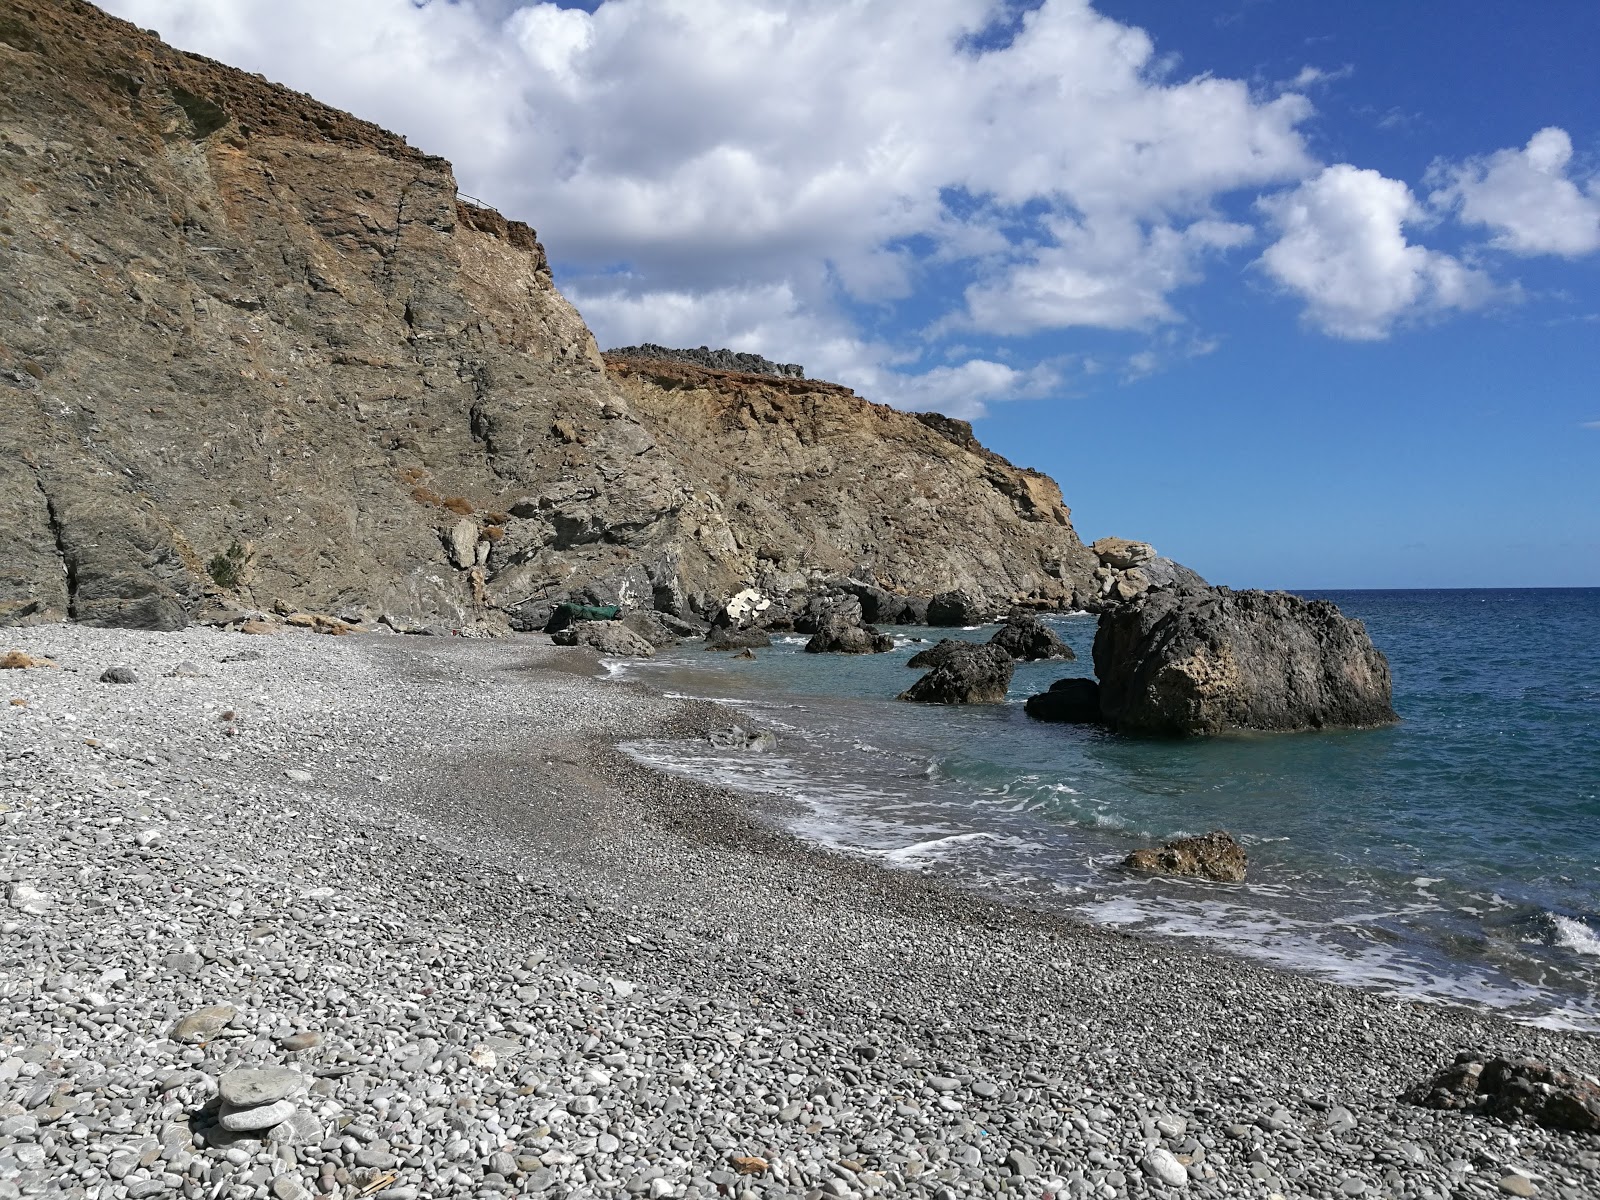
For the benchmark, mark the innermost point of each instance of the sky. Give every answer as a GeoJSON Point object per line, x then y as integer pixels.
{"type": "Point", "coordinates": [1307, 295]}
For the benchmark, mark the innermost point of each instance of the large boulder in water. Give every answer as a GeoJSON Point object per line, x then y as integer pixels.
{"type": "Point", "coordinates": [971, 675]}
{"type": "Point", "coordinates": [1068, 702]}
{"type": "Point", "coordinates": [1215, 856]}
{"type": "Point", "coordinates": [1201, 661]}
{"type": "Point", "coordinates": [838, 634]}
{"type": "Point", "coordinates": [723, 637]}
{"type": "Point", "coordinates": [1028, 639]}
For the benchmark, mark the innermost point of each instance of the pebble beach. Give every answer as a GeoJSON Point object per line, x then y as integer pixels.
{"type": "Point", "coordinates": [292, 916]}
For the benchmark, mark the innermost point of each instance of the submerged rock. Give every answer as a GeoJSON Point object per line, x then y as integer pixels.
{"type": "Point", "coordinates": [1215, 856]}
{"type": "Point", "coordinates": [1202, 661]}
{"type": "Point", "coordinates": [1068, 702]}
{"type": "Point", "coordinates": [1028, 639]}
{"type": "Point", "coordinates": [970, 674]}
{"type": "Point", "coordinates": [1512, 1089]}
{"type": "Point", "coordinates": [736, 737]}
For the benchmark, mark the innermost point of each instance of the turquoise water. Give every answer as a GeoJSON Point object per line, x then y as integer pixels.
{"type": "Point", "coordinates": [1455, 856]}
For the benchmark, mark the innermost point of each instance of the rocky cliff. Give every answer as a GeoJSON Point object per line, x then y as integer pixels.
{"type": "Point", "coordinates": [810, 477]}
{"type": "Point", "coordinates": [257, 353]}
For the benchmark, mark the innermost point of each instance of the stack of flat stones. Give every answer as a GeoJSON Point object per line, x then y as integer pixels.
{"type": "Point", "coordinates": [258, 1099]}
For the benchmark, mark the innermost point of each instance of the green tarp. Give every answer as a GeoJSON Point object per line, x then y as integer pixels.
{"type": "Point", "coordinates": [571, 614]}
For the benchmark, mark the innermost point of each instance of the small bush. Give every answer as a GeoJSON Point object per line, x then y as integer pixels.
{"type": "Point", "coordinates": [227, 568]}
{"type": "Point", "coordinates": [459, 505]}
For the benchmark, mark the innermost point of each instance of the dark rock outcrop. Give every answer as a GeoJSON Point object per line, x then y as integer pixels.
{"type": "Point", "coordinates": [970, 675]}
{"type": "Point", "coordinates": [957, 608]}
{"type": "Point", "coordinates": [1028, 639]}
{"type": "Point", "coordinates": [881, 607]}
{"type": "Point", "coordinates": [1215, 856]}
{"type": "Point", "coordinates": [724, 637]}
{"type": "Point", "coordinates": [608, 637]}
{"type": "Point", "coordinates": [1068, 702]}
{"type": "Point", "coordinates": [1181, 661]}
{"type": "Point", "coordinates": [1513, 1090]}
{"type": "Point", "coordinates": [837, 634]}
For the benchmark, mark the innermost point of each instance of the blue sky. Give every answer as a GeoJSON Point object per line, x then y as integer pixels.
{"type": "Point", "coordinates": [1307, 295]}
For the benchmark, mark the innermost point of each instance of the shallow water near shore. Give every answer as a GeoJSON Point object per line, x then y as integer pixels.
{"type": "Point", "coordinates": [1454, 857]}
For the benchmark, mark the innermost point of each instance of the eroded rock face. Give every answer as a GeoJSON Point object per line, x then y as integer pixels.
{"type": "Point", "coordinates": [1068, 702]}
{"type": "Point", "coordinates": [969, 674]}
{"type": "Point", "coordinates": [1204, 661]}
{"type": "Point", "coordinates": [1026, 638]}
{"type": "Point", "coordinates": [1214, 856]}
{"type": "Point", "coordinates": [1120, 553]}
{"type": "Point", "coordinates": [1524, 1090]}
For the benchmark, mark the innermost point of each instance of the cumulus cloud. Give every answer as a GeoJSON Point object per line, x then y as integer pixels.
{"type": "Point", "coordinates": [1342, 248]}
{"type": "Point", "coordinates": [1527, 197]}
{"type": "Point", "coordinates": [820, 153]}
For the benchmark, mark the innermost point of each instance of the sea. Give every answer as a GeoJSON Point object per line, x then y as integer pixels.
{"type": "Point", "coordinates": [1453, 857]}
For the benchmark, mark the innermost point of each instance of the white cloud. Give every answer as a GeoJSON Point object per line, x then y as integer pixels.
{"type": "Point", "coordinates": [1526, 197]}
{"type": "Point", "coordinates": [1106, 272]}
{"type": "Point", "coordinates": [1342, 248]}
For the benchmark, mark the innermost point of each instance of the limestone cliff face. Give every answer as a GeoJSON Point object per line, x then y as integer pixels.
{"type": "Point", "coordinates": [255, 352]}
{"type": "Point", "coordinates": [812, 477]}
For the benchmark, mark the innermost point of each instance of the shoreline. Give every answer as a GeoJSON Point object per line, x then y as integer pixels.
{"type": "Point", "coordinates": [873, 1030]}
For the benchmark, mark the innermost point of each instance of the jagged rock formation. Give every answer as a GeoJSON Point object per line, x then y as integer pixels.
{"type": "Point", "coordinates": [813, 479]}
{"type": "Point", "coordinates": [256, 353]}
{"type": "Point", "coordinates": [1207, 660]}
{"type": "Point", "coordinates": [717, 360]}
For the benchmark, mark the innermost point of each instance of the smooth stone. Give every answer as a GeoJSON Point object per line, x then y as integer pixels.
{"type": "Point", "coordinates": [288, 1187]}
{"type": "Point", "coordinates": [1160, 1164]}
{"type": "Point", "coordinates": [1518, 1185]}
{"type": "Point", "coordinates": [263, 1116]}
{"type": "Point", "coordinates": [204, 1023]}
{"type": "Point", "coordinates": [248, 1087]}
